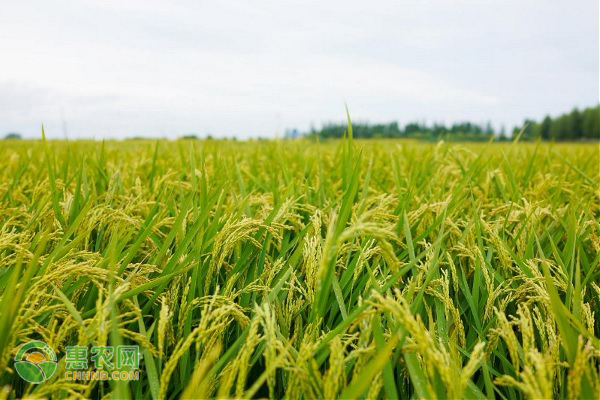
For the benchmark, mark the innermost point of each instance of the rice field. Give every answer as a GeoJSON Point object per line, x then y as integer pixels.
{"type": "Point", "coordinates": [302, 270]}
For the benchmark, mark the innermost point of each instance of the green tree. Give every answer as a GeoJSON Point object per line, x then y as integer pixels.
{"type": "Point", "coordinates": [590, 123]}
{"type": "Point", "coordinates": [13, 136]}
{"type": "Point", "coordinates": [575, 130]}
{"type": "Point", "coordinates": [545, 128]}
{"type": "Point", "coordinates": [528, 130]}
{"type": "Point", "coordinates": [560, 129]}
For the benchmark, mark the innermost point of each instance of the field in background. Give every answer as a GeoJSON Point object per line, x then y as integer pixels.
{"type": "Point", "coordinates": [291, 269]}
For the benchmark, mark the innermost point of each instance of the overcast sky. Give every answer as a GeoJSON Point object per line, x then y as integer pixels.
{"type": "Point", "coordinates": [252, 68]}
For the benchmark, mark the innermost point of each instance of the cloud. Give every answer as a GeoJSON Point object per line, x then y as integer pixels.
{"type": "Point", "coordinates": [158, 68]}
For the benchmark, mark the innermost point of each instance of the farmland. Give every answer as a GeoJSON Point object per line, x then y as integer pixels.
{"type": "Point", "coordinates": [342, 269]}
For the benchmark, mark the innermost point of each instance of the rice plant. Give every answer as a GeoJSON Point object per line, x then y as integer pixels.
{"type": "Point", "coordinates": [293, 269]}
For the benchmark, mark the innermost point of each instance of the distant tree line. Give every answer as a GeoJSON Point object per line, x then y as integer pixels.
{"type": "Point", "coordinates": [13, 136]}
{"type": "Point", "coordinates": [576, 125]}
{"type": "Point", "coordinates": [417, 130]}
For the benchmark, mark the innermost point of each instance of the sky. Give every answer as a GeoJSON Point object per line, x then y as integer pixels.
{"type": "Point", "coordinates": [246, 69]}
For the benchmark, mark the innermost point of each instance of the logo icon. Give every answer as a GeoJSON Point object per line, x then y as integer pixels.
{"type": "Point", "coordinates": [35, 362]}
